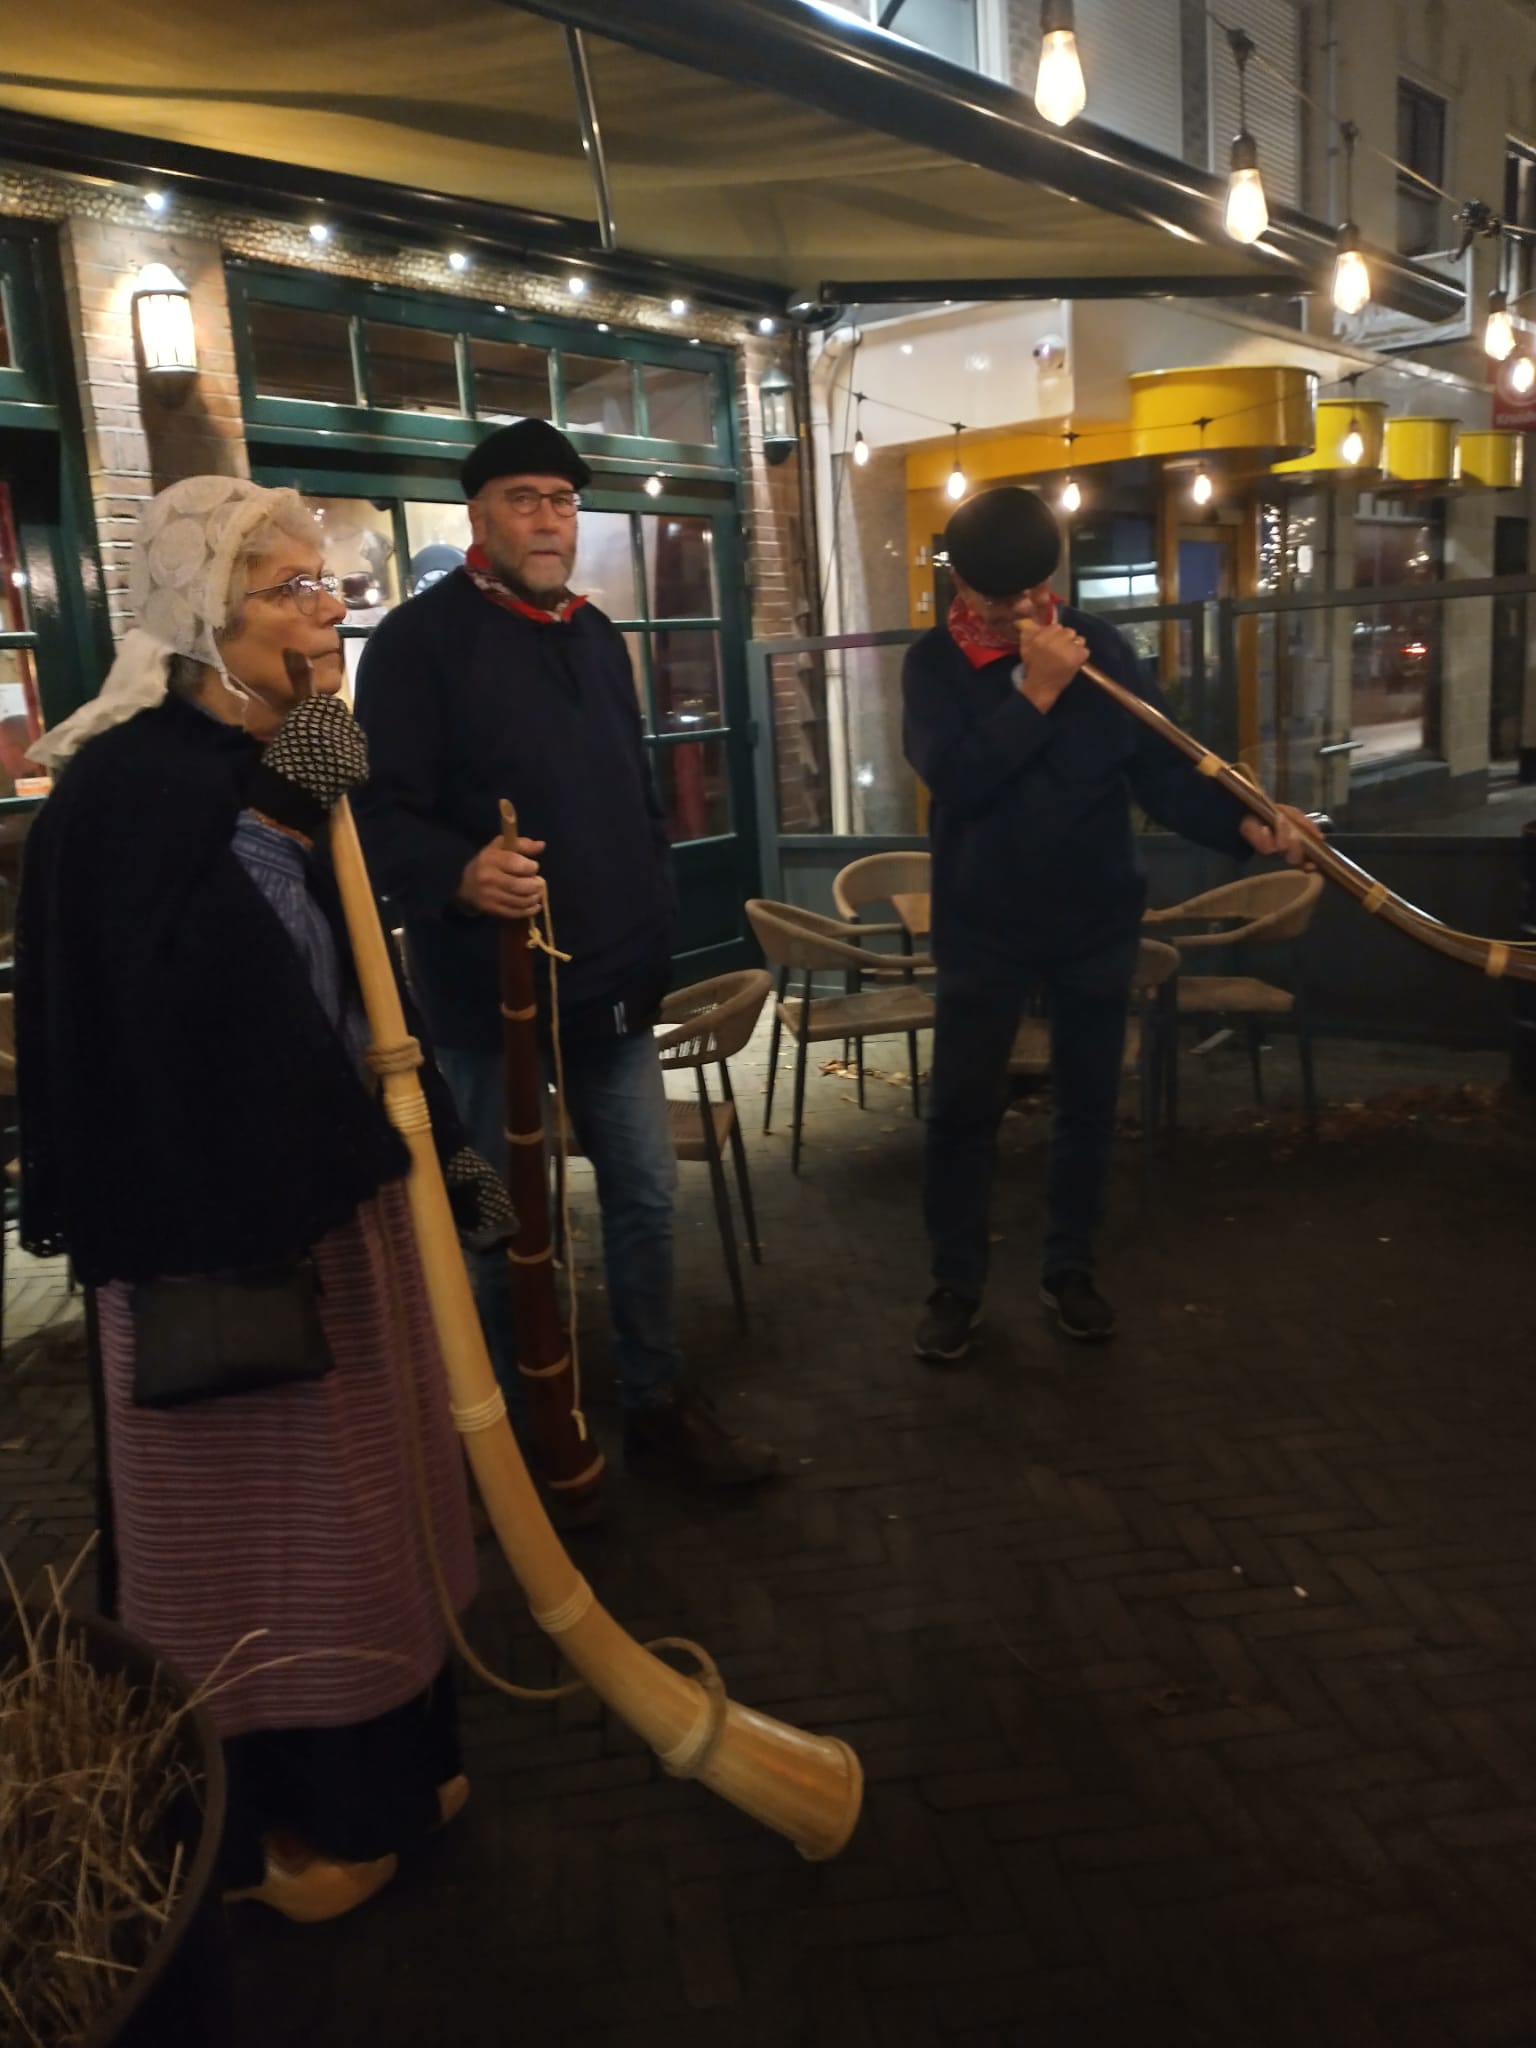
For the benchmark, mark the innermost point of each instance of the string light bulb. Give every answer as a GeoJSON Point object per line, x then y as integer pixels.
{"type": "Point", "coordinates": [1060, 91]}
{"type": "Point", "coordinates": [1247, 211]}
{"type": "Point", "coordinates": [1071, 499]}
{"type": "Point", "coordinates": [1352, 447]}
{"type": "Point", "coordinates": [1351, 278]}
{"type": "Point", "coordinates": [1499, 334]}
{"type": "Point", "coordinates": [860, 445]}
{"type": "Point", "coordinates": [957, 486]}
{"type": "Point", "coordinates": [1522, 374]}
{"type": "Point", "coordinates": [1202, 490]}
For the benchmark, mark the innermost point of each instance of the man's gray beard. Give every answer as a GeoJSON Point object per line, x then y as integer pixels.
{"type": "Point", "coordinates": [546, 600]}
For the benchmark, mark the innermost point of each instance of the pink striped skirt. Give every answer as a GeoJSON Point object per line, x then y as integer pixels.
{"type": "Point", "coordinates": [293, 1517]}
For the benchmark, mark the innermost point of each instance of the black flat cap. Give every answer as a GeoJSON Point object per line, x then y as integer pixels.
{"type": "Point", "coordinates": [530, 448]}
{"type": "Point", "coordinates": [1003, 542]}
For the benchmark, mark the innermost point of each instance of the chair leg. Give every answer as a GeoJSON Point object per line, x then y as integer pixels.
{"type": "Point", "coordinates": [739, 1160]}
{"type": "Point", "coordinates": [773, 1048]}
{"type": "Point", "coordinates": [722, 1201]}
{"type": "Point", "coordinates": [800, 1052]}
{"type": "Point", "coordinates": [1170, 1036]}
{"type": "Point", "coordinates": [1255, 1048]}
{"type": "Point", "coordinates": [1304, 1054]}
{"type": "Point", "coordinates": [917, 1100]}
{"type": "Point", "coordinates": [858, 1053]}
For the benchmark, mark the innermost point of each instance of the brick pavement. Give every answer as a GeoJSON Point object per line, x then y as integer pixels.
{"type": "Point", "coordinates": [1195, 1679]}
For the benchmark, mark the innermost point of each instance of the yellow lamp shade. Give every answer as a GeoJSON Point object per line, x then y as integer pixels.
{"type": "Point", "coordinates": [1250, 407]}
{"type": "Point", "coordinates": [1495, 460]}
{"type": "Point", "coordinates": [1336, 417]}
{"type": "Point", "coordinates": [1422, 451]}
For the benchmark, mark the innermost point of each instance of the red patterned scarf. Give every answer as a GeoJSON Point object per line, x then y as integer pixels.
{"type": "Point", "coordinates": [981, 643]}
{"type": "Point", "coordinates": [477, 567]}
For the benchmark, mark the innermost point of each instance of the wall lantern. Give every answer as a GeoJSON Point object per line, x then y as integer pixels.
{"type": "Point", "coordinates": [162, 319]}
{"type": "Point", "coordinates": [781, 435]}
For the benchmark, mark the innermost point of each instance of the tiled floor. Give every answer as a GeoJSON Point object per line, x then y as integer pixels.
{"type": "Point", "coordinates": [1194, 1679]}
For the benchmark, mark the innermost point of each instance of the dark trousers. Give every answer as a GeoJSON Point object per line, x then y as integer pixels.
{"type": "Point", "coordinates": [978, 1017]}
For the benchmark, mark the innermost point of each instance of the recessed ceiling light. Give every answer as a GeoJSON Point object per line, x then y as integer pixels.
{"type": "Point", "coordinates": [679, 308]}
{"type": "Point", "coordinates": [576, 286]}
{"type": "Point", "coordinates": [156, 201]}
{"type": "Point", "coordinates": [766, 326]}
{"type": "Point", "coordinates": [457, 260]}
{"type": "Point", "coordinates": [318, 231]}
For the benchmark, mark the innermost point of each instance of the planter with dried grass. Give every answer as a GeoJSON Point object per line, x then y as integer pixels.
{"type": "Point", "coordinates": [111, 1810]}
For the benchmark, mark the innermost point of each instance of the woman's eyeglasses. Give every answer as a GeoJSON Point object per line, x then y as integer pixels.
{"type": "Point", "coordinates": [304, 592]}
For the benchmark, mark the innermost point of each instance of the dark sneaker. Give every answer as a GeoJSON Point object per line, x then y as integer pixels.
{"type": "Point", "coordinates": [685, 1439]}
{"type": "Point", "coordinates": [1079, 1308]}
{"type": "Point", "coordinates": [947, 1326]}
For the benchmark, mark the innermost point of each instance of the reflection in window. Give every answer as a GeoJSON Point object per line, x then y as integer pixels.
{"type": "Point", "coordinates": [437, 540]}
{"type": "Point", "coordinates": [605, 563]}
{"type": "Point", "coordinates": [680, 567]}
{"type": "Point", "coordinates": [411, 369]}
{"type": "Point", "coordinates": [1395, 649]}
{"type": "Point", "coordinates": [691, 777]}
{"type": "Point", "coordinates": [511, 380]}
{"type": "Point", "coordinates": [679, 404]}
{"type": "Point", "coordinates": [299, 353]}
{"type": "Point", "coordinates": [20, 713]}
{"type": "Point", "coordinates": [599, 394]}
{"type": "Point", "coordinates": [686, 666]}
{"type": "Point", "coordinates": [358, 543]}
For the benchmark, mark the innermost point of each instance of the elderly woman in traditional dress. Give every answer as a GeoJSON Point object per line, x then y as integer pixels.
{"type": "Point", "coordinates": [200, 1133]}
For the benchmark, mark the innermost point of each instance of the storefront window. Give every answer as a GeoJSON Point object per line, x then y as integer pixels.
{"type": "Point", "coordinates": [436, 542]}
{"type": "Point", "coordinates": [299, 353]}
{"type": "Point", "coordinates": [511, 380]}
{"type": "Point", "coordinates": [686, 680]}
{"type": "Point", "coordinates": [599, 394]}
{"type": "Point", "coordinates": [1395, 649]}
{"type": "Point", "coordinates": [680, 404]}
{"type": "Point", "coordinates": [411, 369]}
{"type": "Point", "coordinates": [605, 563]}
{"type": "Point", "coordinates": [694, 793]}
{"type": "Point", "coordinates": [679, 568]}
{"type": "Point", "coordinates": [1114, 564]}
{"type": "Point", "coordinates": [21, 717]}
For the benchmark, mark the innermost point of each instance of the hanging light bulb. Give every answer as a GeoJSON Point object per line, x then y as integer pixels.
{"type": "Point", "coordinates": [1499, 334]}
{"type": "Point", "coordinates": [1071, 499]}
{"type": "Point", "coordinates": [860, 445]}
{"type": "Point", "coordinates": [1247, 211]}
{"type": "Point", "coordinates": [1522, 373]}
{"type": "Point", "coordinates": [957, 486]}
{"type": "Point", "coordinates": [1060, 93]}
{"type": "Point", "coordinates": [1202, 489]}
{"type": "Point", "coordinates": [1351, 279]}
{"type": "Point", "coordinates": [1352, 447]}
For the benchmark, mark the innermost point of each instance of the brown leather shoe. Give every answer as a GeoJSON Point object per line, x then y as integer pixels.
{"type": "Point", "coordinates": [452, 1799]}
{"type": "Point", "coordinates": [303, 1886]}
{"type": "Point", "coordinates": [685, 1439]}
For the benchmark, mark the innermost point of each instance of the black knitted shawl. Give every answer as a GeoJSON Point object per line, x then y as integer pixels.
{"type": "Point", "coordinates": [185, 1104]}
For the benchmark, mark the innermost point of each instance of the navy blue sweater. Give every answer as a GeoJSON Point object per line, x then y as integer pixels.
{"type": "Point", "coordinates": [1034, 849]}
{"type": "Point", "coordinates": [464, 703]}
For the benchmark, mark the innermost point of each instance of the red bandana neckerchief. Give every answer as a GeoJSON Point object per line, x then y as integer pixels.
{"type": "Point", "coordinates": [981, 643]}
{"type": "Point", "coordinates": [478, 569]}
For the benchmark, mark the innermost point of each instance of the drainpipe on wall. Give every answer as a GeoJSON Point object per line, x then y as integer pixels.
{"type": "Point", "coordinates": [827, 382]}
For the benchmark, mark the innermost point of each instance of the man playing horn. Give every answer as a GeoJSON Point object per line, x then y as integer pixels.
{"type": "Point", "coordinates": [1036, 885]}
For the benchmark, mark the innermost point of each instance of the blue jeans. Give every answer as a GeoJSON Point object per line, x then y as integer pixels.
{"type": "Point", "coordinates": [618, 1109]}
{"type": "Point", "coordinates": [978, 1016]}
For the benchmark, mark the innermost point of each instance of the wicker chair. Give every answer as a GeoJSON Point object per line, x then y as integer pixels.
{"type": "Point", "coordinates": [1150, 1040]}
{"type": "Point", "coordinates": [700, 1027]}
{"type": "Point", "coordinates": [792, 939]}
{"type": "Point", "coordinates": [1260, 910]}
{"type": "Point", "coordinates": [706, 1026]}
{"type": "Point", "coordinates": [880, 878]}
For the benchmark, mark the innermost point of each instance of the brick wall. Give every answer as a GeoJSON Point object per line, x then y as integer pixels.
{"type": "Point", "coordinates": [135, 442]}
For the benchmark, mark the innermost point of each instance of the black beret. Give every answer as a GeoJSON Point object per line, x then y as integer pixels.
{"type": "Point", "coordinates": [1003, 542]}
{"type": "Point", "coordinates": [530, 448]}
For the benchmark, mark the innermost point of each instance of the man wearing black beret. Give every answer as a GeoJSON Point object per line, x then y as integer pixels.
{"type": "Point", "coordinates": [1036, 885]}
{"type": "Point", "coordinates": [496, 681]}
